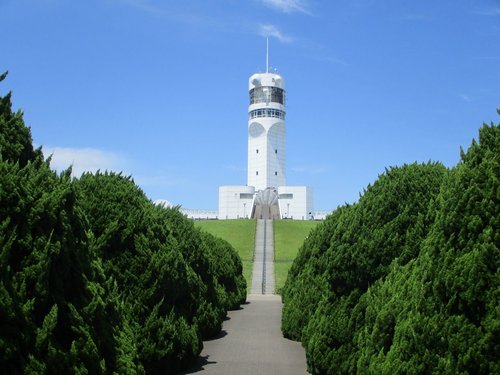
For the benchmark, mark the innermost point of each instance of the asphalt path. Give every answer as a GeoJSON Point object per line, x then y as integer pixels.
{"type": "Point", "coordinates": [251, 343]}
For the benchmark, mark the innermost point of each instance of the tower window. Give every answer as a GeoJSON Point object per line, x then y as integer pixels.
{"type": "Point", "coordinates": [257, 151]}
{"type": "Point", "coordinates": [266, 94]}
{"type": "Point", "coordinates": [256, 173]}
{"type": "Point", "coordinates": [267, 112]}
{"type": "Point", "coordinates": [275, 173]}
{"type": "Point", "coordinates": [276, 151]}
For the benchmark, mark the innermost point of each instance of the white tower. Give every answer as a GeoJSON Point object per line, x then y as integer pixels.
{"type": "Point", "coordinates": [266, 131]}
{"type": "Point", "coordinates": [266, 195]}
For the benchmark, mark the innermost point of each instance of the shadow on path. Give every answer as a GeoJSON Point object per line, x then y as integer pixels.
{"type": "Point", "coordinates": [201, 362]}
{"type": "Point", "coordinates": [251, 343]}
{"type": "Point", "coordinates": [220, 335]}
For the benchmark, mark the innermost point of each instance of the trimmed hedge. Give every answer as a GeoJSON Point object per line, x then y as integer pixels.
{"type": "Point", "coordinates": [406, 280]}
{"type": "Point", "coordinates": [94, 278]}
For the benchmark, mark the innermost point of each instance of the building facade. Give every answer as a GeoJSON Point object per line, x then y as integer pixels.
{"type": "Point", "coordinates": [266, 194]}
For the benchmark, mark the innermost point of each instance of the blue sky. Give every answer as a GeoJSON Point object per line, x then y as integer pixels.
{"type": "Point", "coordinates": [158, 89]}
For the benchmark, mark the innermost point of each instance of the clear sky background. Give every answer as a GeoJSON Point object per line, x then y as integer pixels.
{"type": "Point", "coordinates": [159, 89]}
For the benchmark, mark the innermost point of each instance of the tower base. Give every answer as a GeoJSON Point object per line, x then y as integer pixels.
{"type": "Point", "coordinates": [285, 202]}
{"type": "Point", "coordinates": [265, 205]}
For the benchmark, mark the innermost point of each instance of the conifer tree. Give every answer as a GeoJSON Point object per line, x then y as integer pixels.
{"type": "Point", "coordinates": [406, 280]}
{"type": "Point", "coordinates": [444, 307]}
{"type": "Point", "coordinates": [15, 138]}
{"type": "Point", "coordinates": [50, 302]}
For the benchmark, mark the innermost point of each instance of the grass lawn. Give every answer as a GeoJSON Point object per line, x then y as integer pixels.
{"type": "Point", "coordinates": [240, 234]}
{"type": "Point", "coordinates": [288, 237]}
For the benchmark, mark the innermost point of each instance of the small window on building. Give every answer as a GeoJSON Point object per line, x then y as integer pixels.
{"type": "Point", "coordinates": [276, 151]}
{"type": "Point", "coordinates": [257, 151]}
{"type": "Point", "coordinates": [275, 173]}
{"type": "Point", "coordinates": [256, 173]}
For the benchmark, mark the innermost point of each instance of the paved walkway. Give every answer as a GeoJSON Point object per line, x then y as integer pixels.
{"type": "Point", "coordinates": [251, 343]}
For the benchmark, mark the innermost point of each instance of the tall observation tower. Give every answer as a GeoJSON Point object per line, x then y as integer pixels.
{"type": "Point", "coordinates": [266, 194]}
{"type": "Point", "coordinates": [266, 131]}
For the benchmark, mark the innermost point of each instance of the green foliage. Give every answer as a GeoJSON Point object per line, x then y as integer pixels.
{"type": "Point", "coordinates": [48, 317]}
{"type": "Point", "coordinates": [288, 237]}
{"type": "Point", "coordinates": [94, 278]}
{"type": "Point", "coordinates": [177, 282]}
{"type": "Point", "coordinates": [406, 280]}
{"type": "Point", "coordinates": [15, 138]}
{"type": "Point", "coordinates": [447, 319]}
{"type": "Point", "coordinates": [356, 244]}
{"type": "Point", "coordinates": [228, 270]}
{"type": "Point", "coordinates": [239, 233]}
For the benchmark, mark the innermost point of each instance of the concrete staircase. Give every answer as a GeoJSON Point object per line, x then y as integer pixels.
{"type": "Point", "coordinates": [263, 262]}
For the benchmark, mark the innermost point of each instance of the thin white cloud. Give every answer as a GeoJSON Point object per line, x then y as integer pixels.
{"type": "Point", "coordinates": [272, 31]}
{"type": "Point", "coordinates": [83, 160]}
{"type": "Point", "coordinates": [319, 170]}
{"type": "Point", "coordinates": [330, 59]}
{"type": "Point", "coordinates": [465, 98]}
{"type": "Point", "coordinates": [288, 6]}
{"type": "Point", "coordinates": [488, 12]}
{"type": "Point", "coordinates": [177, 14]}
{"type": "Point", "coordinates": [145, 5]}
{"type": "Point", "coordinates": [159, 180]}
{"type": "Point", "coordinates": [361, 3]}
{"type": "Point", "coordinates": [236, 168]}
{"type": "Point", "coordinates": [486, 58]}
{"type": "Point", "coordinates": [415, 17]}
{"type": "Point", "coordinates": [309, 170]}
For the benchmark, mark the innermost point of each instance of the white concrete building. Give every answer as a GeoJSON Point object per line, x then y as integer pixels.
{"type": "Point", "coordinates": [296, 202]}
{"type": "Point", "coordinates": [235, 202]}
{"type": "Point", "coordinates": [266, 194]}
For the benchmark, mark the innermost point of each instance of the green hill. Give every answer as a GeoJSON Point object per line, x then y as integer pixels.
{"type": "Point", "coordinates": [288, 237]}
{"type": "Point", "coordinates": [240, 234]}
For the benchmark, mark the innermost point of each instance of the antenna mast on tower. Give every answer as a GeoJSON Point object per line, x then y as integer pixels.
{"type": "Point", "coordinates": [267, 54]}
